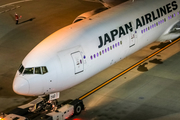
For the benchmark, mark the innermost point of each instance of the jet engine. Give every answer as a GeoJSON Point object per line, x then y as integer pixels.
{"type": "Point", "coordinates": [108, 3]}
{"type": "Point", "coordinates": [172, 33]}
{"type": "Point", "coordinates": [89, 14]}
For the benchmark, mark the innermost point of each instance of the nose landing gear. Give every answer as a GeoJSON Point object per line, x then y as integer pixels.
{"type": "Point", "coordinates": [44, 105]}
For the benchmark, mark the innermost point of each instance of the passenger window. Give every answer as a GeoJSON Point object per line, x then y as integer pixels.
{"type": "Point", "coordinates": [44, 70]}
{"type": "Point", "coordinates": [37, 70]}
{"type": "Point", "coordinates": [28, 71]}
{"type": "Point", "coordinates": [121, 42]}
{"type": "Point", "coordinates": [164, 19]}
{"type": "Point", "coordinates": [21, 68]}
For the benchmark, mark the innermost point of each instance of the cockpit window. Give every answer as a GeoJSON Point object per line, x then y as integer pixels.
{"type": "Point", "coordinates": [44, 70]}
{"type": "Point", "coordinates": [33, 70]}
{"type": "Point", "coordinates": [21, 68]}
{"type": "Point", "coordinates": [38, 70]}
{"type": "Point", "coordinates": [28, 70]}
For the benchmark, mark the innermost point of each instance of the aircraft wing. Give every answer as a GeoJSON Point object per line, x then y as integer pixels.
{"type": "Point", "coordinates": [108, 3]}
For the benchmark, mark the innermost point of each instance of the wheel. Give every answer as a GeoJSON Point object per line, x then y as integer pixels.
{"type": "Point", "coordinates": [78, 109]}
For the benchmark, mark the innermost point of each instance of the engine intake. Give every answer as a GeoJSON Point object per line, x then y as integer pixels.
{"type": "Point", "coordinates": [89, 14]}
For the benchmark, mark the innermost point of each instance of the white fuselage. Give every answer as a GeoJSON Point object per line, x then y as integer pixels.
{"type": "Point", "coordinates": [81, 50]}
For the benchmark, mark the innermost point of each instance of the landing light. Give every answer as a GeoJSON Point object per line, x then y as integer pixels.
{"type": "Point", "coordinates": [76, 119]}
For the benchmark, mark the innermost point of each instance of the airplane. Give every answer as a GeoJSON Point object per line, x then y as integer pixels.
{"type": "Point", "coordinates": [93, 43]}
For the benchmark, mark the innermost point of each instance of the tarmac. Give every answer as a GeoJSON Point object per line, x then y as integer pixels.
{"type": "Point", "coordinates": [148, 92]}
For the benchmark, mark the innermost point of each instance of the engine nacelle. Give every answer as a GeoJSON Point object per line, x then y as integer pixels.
{"type": "Point", "coordinates": [111, 3]}
{"type": "Point", "coordinates": [89, 14]}
{"type": "Point", "coordinates": [172, 33]}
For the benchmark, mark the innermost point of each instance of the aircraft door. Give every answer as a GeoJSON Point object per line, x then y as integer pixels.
{"type": "Point", "coordinates": [78, 62]}
{"type": "Point", "coordinates": [132, 36]}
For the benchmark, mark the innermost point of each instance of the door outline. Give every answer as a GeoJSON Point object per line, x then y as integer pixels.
{"type": "Point", "coordinates": [78, 62]}
{"type": "Point", "coordinates": [132, 36]}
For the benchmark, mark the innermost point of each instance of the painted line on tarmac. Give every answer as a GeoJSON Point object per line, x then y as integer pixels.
{"type": "Point", "coordinates": [126, 70]}
{"type": "Point", "coordinates": [14, 3]}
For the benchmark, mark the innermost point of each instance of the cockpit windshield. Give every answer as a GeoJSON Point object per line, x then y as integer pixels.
{"type": "Point", "coordinates": [33, 70]}
{"type": "Point", "coordinates": [37, 70]}
{"type": "Point", "coordinates": [44, 70]}
{"type": "Point", "coordinates": [21, 68]}
{"type": "Point", "coordinates": [28, 70]}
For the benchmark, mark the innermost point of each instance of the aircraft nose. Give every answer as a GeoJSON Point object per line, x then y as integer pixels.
{"type": "Point", "coordinates": [21, 86]}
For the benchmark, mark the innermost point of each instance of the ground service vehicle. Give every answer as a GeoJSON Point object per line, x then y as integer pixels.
{"type": "Point", "coordinates": [41, 109]}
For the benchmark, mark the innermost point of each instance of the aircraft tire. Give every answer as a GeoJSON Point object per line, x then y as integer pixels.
{"type": "Point", "coordinates": [78, 109]}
